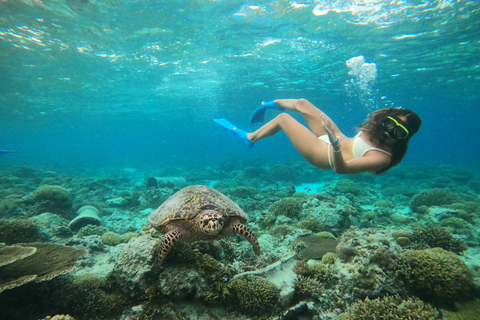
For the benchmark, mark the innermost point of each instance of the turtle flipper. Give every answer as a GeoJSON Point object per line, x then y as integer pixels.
{"type": "Point", "coordinates": [240, 228]}
{"type": "Point", "coordinates": [168, 241]}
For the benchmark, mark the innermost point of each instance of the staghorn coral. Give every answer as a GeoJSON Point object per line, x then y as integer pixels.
{"type": "Point", "coordinates": [253, 295]}
{"type": "Point", "coordinates": [391, 308]}
{"type": "Point", "coordinates": [435, 274]}
{"type": "Point", "coordinates": [49, 261]}
{"type": "Point", "coordinates": [432, 237]}
{"type": "Point", "coordinates": [315, 247]}
{"type": "Point", "coordinates": [433, 197]}
{"type": "Point", "coordinates": [288, 207]}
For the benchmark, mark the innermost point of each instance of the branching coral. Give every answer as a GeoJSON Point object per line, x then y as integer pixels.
{"type": "Point", "coordinates": [217, 276]}
{"type": "Point", "coordinates": [289, 207]}
{"type": "Point", "coordinates": [435, 274]}
{"type": "Point", "coordinates": [391, 308]}
{"type": "Point", "coordinates": [432, 237]}
{"type": "Point", "coordinates": [312, 279]}
{"type": "Point", "coordinates": [311, 224]}
{"type": "Point", "coordinates": [433, 197]}
{"type": "Point", "coordinates": [254, 295]}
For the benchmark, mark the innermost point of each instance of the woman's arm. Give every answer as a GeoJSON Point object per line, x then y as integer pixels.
{"type": "Point", "coordinates": [371, 163]}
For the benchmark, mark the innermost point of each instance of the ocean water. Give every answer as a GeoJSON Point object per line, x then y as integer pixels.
{"type": "Point", "coordinates": [129, 83]}
{"type": "Point", "coordinates": [97, 96]}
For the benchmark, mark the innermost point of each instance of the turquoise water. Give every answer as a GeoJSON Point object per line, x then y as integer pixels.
{"type": "Point", "coordinates": [110, 104]}
{"type": "Point", "coordinates": [135, 83]}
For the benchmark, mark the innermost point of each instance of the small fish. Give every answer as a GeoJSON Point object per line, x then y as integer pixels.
{"type": "Point", "coordinates": [7, 151]}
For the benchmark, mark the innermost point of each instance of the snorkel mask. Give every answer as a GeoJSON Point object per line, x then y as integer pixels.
{"type": "Point", "coordinates": [395, 128]}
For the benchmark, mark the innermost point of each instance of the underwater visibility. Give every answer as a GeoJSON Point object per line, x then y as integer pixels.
{"type": "Point", "coordinates": [225, 159]}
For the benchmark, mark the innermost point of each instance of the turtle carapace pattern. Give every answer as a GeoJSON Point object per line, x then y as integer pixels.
{"type": "Point", "coordinates": [198, 213]}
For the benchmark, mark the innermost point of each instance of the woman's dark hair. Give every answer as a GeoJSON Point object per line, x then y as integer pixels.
{"type": "Point", "coordinates": [373, 127]}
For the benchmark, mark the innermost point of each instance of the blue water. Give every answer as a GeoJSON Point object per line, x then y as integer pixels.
{"type": "Point", "coordinates": [136, 83]}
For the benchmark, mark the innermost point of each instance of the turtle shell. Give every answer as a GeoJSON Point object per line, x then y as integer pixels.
{"type": "Point", "coordinates": [187, 203]}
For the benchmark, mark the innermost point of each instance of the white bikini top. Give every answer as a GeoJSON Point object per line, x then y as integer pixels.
{"type": "Point", "coordinates": [360, 147]}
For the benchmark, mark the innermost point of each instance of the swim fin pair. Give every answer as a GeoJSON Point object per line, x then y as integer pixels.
{"type": "Point", "coordinates": [257, 116]}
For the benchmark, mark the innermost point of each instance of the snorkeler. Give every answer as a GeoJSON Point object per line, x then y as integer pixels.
{"type": "Point", "coordinates": [380, 144]}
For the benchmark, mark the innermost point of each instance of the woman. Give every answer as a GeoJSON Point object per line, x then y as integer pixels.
{"type": "Point", "coordinates": [381, 143]}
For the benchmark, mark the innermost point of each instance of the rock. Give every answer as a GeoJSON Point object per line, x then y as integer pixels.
{"type": "Point", "coordinates": [182, 282]}
{"type": "Point", "coordinates": [119, 202]}
{"type": "Point", "coordinates": [135, 264]}
{"type": "Point", "coordinates": [171, 182]}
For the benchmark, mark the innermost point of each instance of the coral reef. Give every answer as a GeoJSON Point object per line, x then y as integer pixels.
{"type": "Point", "coordinates": [253, 295]}
{"type": "Point", "coordinates": [311, 224]}
{"type": "Point", "coordinates": [433, 197]}
{"type": "Point", "coordinates": [432, 237]}
{"type": "Point", "coordinates": [348, 186]}
{"type": "Point", "coordinates": [111, 238]}
{"type": "Point", "coordinates": [20, 230]}
{"type": "Point", "coordinates": [391, 308]}
{"type": "Point", "coordinates": [289, 207]}
{"type": "Point", "coordinates": [94, 296]}
{"type": "Point", "coordinates": [315, 247]}
{"type": "Point", "coordinates": [55, 199]}
{"type": "Point", "coordinates": [90, 230]}
{"type": "Point", "coordinates": [59, 317]}
{"type": "Point", "coordinates": [435, 274]}
{"type": "Point", "coordinates": [48, 261]}
{"type": "Point", "coordinates": [216, 275]}
{"type": "Point", "coordinates": [86, 215]}
{"type": "Point", "coordinates": [134, 265]}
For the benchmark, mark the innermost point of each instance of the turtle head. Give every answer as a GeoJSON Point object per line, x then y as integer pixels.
{"type": "Point", "coordinates": [211, 222]}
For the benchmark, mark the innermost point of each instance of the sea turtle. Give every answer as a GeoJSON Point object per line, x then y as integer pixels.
{"type": "Point", "coordinates": [199, 213]}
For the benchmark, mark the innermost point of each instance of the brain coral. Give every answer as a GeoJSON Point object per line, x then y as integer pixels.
{"type": "Point", "coordinates": [55, 199]}
{"type": "Point", "coordinates": [435, 274]}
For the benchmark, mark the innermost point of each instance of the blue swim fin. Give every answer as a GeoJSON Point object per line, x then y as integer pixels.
{"type": "Point", "coordinates": [259, 114]}
{"type": "Point", "coordinates": [233, 129]}
{"type": "Point", "coordinates": [7, 151]}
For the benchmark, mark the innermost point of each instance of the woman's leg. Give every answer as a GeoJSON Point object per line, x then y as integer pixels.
{"type": "Point", "coordinates": [312, 114]}
{"type": "Point", "coordinates": [305, 141]}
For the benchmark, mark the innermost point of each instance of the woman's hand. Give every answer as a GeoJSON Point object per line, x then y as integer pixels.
{"type": "Point", "coordinates": [327, 125]}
